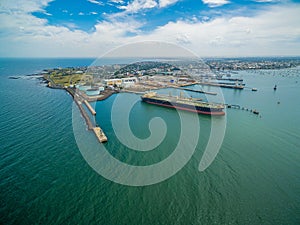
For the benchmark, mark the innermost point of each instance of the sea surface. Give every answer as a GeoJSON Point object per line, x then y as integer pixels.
{"type": "Point", "coordinates": [44, 178]}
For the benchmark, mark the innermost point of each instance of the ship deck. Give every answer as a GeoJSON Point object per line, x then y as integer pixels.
{"type": "Point", "coordinates": [188, 101]}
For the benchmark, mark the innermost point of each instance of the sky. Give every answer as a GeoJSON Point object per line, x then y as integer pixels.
{"type": "Point", "coordinates": [91, 28]}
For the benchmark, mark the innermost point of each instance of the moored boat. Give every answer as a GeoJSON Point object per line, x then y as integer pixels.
{"type": "Point", "coordinates": [186, 104]}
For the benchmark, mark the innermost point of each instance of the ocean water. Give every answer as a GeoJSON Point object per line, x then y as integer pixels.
{"type": "Point", "coordinates": [44, 179]}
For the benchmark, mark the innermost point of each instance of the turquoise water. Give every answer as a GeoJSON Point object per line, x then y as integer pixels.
{"type": "Point", "coordinates": [45, 180]}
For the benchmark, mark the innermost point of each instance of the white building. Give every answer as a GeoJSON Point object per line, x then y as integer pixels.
{"type": "Point", "coordinates": [125, 82]}
{"type": "Point", "coordinates": [129, 81]}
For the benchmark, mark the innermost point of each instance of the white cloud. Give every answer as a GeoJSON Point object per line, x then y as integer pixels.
{"type": "Point", "coordinates": [45, 12]}
{"type": "Point", "coordinates": [96, 2]}
{"type": "Point", "coordinates": [21, 6]}
{"type": "Point", "coordinates": [137, 5]}
{"type": "Point", "coordinates": [25, 35]}
{"type": "Point", "coordinates": [117, 1]}
{"type": "Point", "coordinates": [81, 14]}
{"type": "Point", "coordinates": [164, 3]}
{"type": "Point", "coordinates": [272, 31]}
{"type": "Point", "coordinates": [215, 3]}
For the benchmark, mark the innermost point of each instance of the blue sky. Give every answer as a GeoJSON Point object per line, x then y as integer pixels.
{"type": "Point", "coordinates": [83, 28]}
{"type": "Point", "coordinates": [85, 14]}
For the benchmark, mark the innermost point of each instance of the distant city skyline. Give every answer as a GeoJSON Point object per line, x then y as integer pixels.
{"type": "Point", "coordinates": [90, 28]}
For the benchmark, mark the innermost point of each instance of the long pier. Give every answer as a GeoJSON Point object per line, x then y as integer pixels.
{"type": "Point", "coordinates": [198, 91]}
{"type": "Point", "coordinates": [89, 107]}
{"type": "Point", "coordinates": [230, 79]}
{"type": "Point", "coordinates": [242, 108]}
{"type": "Point", "coordinates": [96, 129]}
{"type": "Point", "coordinates": [240, 87]}
{"type": "Point", "coordinates": [84, 114]}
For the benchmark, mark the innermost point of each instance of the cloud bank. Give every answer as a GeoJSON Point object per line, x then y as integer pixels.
{"type": "Point", "coordinates": [272, 31]}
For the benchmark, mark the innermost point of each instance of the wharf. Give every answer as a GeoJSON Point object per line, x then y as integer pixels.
{"type": "Point", "coordinates": [240, 87]}
{"type": "Point", "coordinates": [230, 79]}
{"type": "Point", "coordinates": [84, 114]}
{"type": "Point", "coordinates": [97, 130]}
{"type": "Point", "coordinates": [89, 107]}
{"type": "Point", "coordinates": [135, 92]}
{"type": "Point", "coordinates": [188, 84]}
{"type": "Point", "coordinates": [198, 91]}
{"type": "Point", "coordinates": [229, 83]}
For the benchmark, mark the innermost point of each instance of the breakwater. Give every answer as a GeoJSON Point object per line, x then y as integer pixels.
{"type": "Point", "coordinates": [96, 129]}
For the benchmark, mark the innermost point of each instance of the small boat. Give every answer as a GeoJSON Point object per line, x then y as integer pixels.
{"type": "Point", "coordinates": [255, 112]}
{"type": "Point", "coordinates": [275, 87]}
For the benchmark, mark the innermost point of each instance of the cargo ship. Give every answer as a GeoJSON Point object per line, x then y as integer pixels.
{"type": "Point", "coordinates": [186, 104]}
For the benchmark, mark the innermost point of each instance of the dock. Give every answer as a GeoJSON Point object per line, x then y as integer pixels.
{"type": "Point", "coordinates": [85, 115]}
{"type": "Point", "coordinates": [96, 129]}
{"type": "Point", "coordinates": [188, 84]}
{"type": "Point", "coordinates": [230, 79]}
{"type": "Point", "coordinates": [198, 91]}
{"type": "Point", "coordinates": [89, 107]}
{"type": "Point", "coordinates": [242, 108]}
{"type": "Point", "coordinates": [134, 92]}
{"type": "Point", "coordinates": [240, 87]}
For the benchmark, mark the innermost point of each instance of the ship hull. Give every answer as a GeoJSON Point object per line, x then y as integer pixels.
{"type": "Point", "coordinates": [185, 107]}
